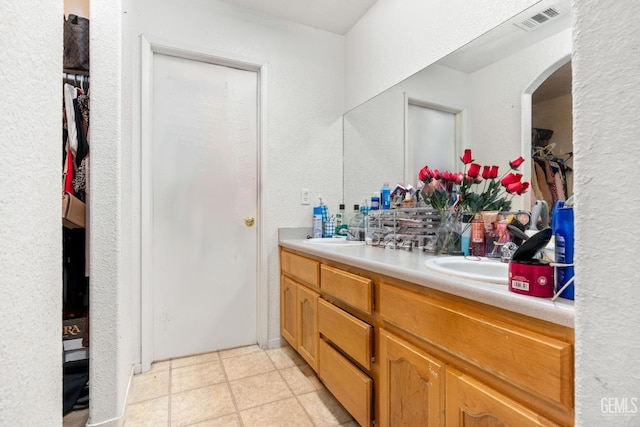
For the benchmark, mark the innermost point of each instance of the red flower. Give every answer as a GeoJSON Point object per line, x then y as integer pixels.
{"type": "Point", "coordinates": [423, 174]}
{"type": "Point", "coordinates": [511, 178]}
{"type": "Point", "coordinates": [486, 172]}
{"type": "Point", "coordinates": [494, 172]}
{"type": "Point", "coordinates": [517, 187]}
{"type": "Point", "coordinates": [458, 178]}
{"type": "Point", "coordinates": [474, 170]}
{"type": "Point", "coordinates": [466, 157]}
{"type": "Point", "coordinates": [435, 173]}
{"type": "Point", "coordinates": [515, 164]}
{"type": "Point", "coordinates": [523, 188]}
{"type": "Point", "coordinates": [446, 175]}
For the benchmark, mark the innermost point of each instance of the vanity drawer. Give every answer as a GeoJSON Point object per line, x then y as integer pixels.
{"type": "Point", "coordinates": [348, 384]}
{"type": "Point", "coordinates": [531, 360]}
{"type": "Point", "coordinates": [303, 269]}
{"type": "Point", "coordinates": [350, 334]}
{"type": "Point", "coordinates": [355, 290]}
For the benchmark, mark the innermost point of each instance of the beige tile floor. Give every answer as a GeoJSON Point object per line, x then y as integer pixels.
{"type": "Point", "coordinates": [239, 387]}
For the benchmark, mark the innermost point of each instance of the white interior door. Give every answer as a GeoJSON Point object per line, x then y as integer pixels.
{"type": "Point", "coordinates": [431, 139]}
{"type": "Point", "coordinates": [204, 185]}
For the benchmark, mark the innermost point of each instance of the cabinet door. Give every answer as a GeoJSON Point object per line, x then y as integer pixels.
{"type": "Point", "coordinates": [471, 403]}
{"type": "Point", "coordinates": [308, 325]}
{"type": "Point", "coordinates": [288, 310]}
{"type": "Point", "coordinates": [411, 385]}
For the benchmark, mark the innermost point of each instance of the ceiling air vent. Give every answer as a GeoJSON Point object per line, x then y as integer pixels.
{"type": "Point", "coordinates": [538, 19]}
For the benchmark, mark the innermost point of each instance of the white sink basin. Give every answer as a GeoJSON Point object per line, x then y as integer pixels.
{"type": "Point", "coordinates": [333, 241]}
{"type": "Point", "coordinates": [483, 269]}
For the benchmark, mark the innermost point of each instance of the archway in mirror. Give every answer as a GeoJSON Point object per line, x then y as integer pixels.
{"type": "Point", "coordinates": [549, 127]}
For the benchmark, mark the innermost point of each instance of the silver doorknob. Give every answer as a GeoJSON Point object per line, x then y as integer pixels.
{"type": "Point", "coordinates": [249, 221]}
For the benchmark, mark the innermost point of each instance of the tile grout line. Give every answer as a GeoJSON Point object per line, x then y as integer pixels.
{"type": "Point", "coordinates": [169, 399]}
{"type": "Point", "coordinates": [295, 396]}
{"type": "Point", "coordinates": [228, 383]}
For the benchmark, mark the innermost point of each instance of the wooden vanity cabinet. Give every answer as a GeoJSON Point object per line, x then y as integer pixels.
{"type": "Point", "coordinates": [416, 356]}
{"type": "Point", "coordinates": [346, 340]}
{"type": "Point", "coordinates": [411, 384]}
{"type": "Point", "coordinates": [288, 310]}
{"type": "Point", "coordinates": [471, 403]}
{"type": "Point", "coordinates": [502, 369]}
{"type": "Point", "coordinates": [299, 305]}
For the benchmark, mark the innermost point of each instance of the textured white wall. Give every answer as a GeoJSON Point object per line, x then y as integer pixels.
{"type": "Point", "coordinates": [496, 119]}
{"type": "Point", "coordinates": [112, 317]}
{"type": "Point", "coordinates": [606, 78]}
{"type": "Point", "coordinates": [556, 114]}
{"type": "Point", "coordinates": [303, 144]}
{"type": "Point", "coordinates": [375, 130]}
{"type": "Point", "coordinates": [395, 39]}
{"type": "Point", "coordinates": [30, 203]}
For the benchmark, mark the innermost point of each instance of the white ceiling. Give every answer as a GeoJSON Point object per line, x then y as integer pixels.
{"type": "Point", "coordinates": [336, 16]}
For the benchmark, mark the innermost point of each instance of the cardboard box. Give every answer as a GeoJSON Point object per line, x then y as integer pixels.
{"type": "Point", "coordinates": [74, 328]}
{"type": "Point", "coordinates": [73, 211]}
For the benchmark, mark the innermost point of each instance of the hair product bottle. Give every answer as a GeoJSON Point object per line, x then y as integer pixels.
{"type": "Point", "coordinates": [477, 236]}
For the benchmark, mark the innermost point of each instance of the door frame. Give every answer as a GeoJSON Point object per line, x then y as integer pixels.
{"type": "Point", "coordinates": [151, 45]}
{"type": "Point", "coordinates": [461, 131]}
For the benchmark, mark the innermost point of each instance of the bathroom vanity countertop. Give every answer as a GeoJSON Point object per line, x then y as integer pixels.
{"type": "Point", "coordinates": [409, 266]}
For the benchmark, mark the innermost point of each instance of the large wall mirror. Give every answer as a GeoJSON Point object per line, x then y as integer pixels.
{"type": "Point", "coordinates": [485, 96]}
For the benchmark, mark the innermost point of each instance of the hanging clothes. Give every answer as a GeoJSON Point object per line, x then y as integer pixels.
{"type": "Point", "coordinates": [71, 93]}
{"type": "Point", "coordinates": [81, 110]}
{"type": "Point", "coordinates": [76, 130]}
{"type": "Point", "coordinates": [541, 180]}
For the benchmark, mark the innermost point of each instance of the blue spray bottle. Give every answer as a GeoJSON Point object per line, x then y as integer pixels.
{"type": "Point", "coordinates": [563, 229]}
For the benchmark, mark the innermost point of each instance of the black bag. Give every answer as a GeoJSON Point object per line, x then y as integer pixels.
{"type": "Point", "coordinates": [76, 43]}
{"type": "Point", "coordinates": [74, 384]}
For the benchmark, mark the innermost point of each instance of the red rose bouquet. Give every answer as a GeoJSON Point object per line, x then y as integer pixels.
{"type": "Point", "coordinates": [477, 188]}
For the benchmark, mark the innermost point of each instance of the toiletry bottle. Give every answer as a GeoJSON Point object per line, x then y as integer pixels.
{"type": "Point", "coordinates": [341, 221]}
{"type": "Point", "coordinates": [375, 201]}
{"type": "Point", "coordinates": [490, 240]}
{"type": "Point", "coordinates": [477, 236]}
{"type": "Point", "coordinates": [355, 217]}
{"type": "Point", "coordinates": [364, 209]}
{"type": "Point", "coordinates": [564, 241]}
{"type": "Point", "coordinates": [355, 223]}
{"type": "Point", "coordinates": [365, 222]}
{"type": "Point", "coordinates": [385, 196]}
{"type": "Point", "coordinates": [325, 220]}
{"type": "Point", "coordinates": [408, 201]}
{"type": "Point", "coordinates": [317, 222]}
{"type": "Point", "coordinates": [465, 239]}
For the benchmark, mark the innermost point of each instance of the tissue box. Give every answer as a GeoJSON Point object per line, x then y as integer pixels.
{"type": "Point", "coordinates": [73, 211]}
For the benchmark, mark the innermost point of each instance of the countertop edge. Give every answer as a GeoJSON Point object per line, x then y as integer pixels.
{"type": "Point", "coordinates": [409, 266]}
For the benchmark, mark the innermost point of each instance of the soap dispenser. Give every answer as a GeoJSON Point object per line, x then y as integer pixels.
{"type": "Point", "coordinates": [317, 222]}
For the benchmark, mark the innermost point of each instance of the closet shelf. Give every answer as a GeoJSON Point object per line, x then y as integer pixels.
{"type": "Point", "coordinates": [75, 71]}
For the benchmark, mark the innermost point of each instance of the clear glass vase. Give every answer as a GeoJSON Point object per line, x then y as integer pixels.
{"type": "Point", "coordinates": [449, 234]}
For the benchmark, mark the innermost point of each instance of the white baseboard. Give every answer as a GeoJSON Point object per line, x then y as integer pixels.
{"type": "Point", "coordinates": [275, 343]}
{"type": "Point", "coordinates": [119, 420]}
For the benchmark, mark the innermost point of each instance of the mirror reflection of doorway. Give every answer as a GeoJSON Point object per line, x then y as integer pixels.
{"type": "Point", "coordinates": [552, 137]}
{"type": "Point", "coordinates": [433, 137]}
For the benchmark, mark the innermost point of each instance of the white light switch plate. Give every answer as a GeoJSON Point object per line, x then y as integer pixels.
{"type": "Point", "coordinates": [305, 197]}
